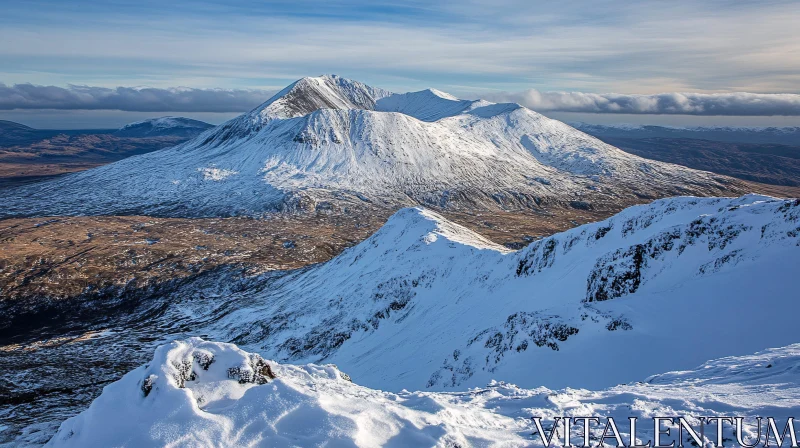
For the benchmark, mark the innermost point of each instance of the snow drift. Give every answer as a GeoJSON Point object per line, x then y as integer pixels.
{"type": "Point", "coordinates": [330, 141]}
{"type": "Point", "coordinates": [198, 393]}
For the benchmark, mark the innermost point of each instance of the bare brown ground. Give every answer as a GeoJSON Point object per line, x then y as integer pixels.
{"type": "Point", "coordinates": [779, 191]}
{"type": "Point", "coordinates": [510, 228]}
{"type": "Point", "coordinates": [62, 257]}
{"type": "Point", "coordinates": [13, 174]}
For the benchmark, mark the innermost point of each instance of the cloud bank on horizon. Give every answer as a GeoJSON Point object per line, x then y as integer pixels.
{"type": "Point", "coordinates": [149, 99]}
{"type": "Point", "coordinates": [735, 103]}
{"type": "Point", "coordinates": [131, 99]}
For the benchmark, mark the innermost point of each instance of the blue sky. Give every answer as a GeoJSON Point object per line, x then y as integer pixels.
{"type": "Point", "coordinates": [468, 48]}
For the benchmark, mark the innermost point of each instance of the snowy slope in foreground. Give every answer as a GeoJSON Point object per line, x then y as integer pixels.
{"type": "Point", "coordinates": [197, 393]}
{"type": "Point", "coordinates": [332, 140]}
{"type": "Point", "coordinates": [425, 303]}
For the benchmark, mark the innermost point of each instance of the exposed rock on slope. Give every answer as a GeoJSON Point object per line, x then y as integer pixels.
{"type": "Point", "coordinates": [329, 142]}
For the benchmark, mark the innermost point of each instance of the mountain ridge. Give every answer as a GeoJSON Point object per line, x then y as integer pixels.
{"type": "Point", "coordinates": [496, 313]}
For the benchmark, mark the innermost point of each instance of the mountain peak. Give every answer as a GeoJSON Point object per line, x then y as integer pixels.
{"type": "Point", "coordinates": [425, 105]}
{"type": "Point", "coordinates": [309, 94]}
{"type": "Point", "coordinates": [423, 225]}
{"type": "Point", "coordinates": [440, 94]}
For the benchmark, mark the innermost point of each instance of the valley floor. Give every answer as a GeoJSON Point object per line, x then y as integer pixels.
{"type": "Point", "coordinates": [45, 158]}
{"type": "Point", "coordinates": [68, 257]}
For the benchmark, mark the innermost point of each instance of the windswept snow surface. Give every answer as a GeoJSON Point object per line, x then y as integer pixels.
{"type": "Point", "coordinates": [198, 393]}
{"type": "Point", "coordinates": [326, 138]}
{"type": "Point", "coordinates": [427, 304]}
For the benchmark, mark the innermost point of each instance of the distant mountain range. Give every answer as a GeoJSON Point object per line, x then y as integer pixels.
{"type": "Point", "coordinates": [333, 143]}
{"type": "Point", "coordinates": [32, 155]}
{"type": "Point", "coordinates": [16, 134]}
{"type": "Point", "coordinates": [735, 134]}
{"type": "Point", "coordinates": [768, 155]}
{"type": "Point", "coordinates": [12, 133]}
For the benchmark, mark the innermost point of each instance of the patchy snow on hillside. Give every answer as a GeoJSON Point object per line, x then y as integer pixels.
{"type": "Point", "coordinates": [456, 310]}
{"type": "Point", "coordinates": [199, 393]}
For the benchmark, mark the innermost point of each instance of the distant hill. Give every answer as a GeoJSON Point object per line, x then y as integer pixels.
{"type": "Point", "coordinates": [31, 155]}
{"type": "Point", "coordinates": [9, 126]}
{"type": "Point", "coordinates": [736, 134]}
{"type": "Point", "coordinates": [164, 126]}
{"type": "Point", "coordinates": [12, 134]}
{"type": "Point", "coordinates": [768, 155]}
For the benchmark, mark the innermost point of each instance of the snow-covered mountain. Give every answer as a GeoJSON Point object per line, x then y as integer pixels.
{"type": "Point", "coordinates": [164, 126]}
{"type": "Point", "coordinates": [329, 140]}
{"type": "Point", "coordinates": [198, 393]}
{"type": "Point", "coordinates": [427, 304]}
